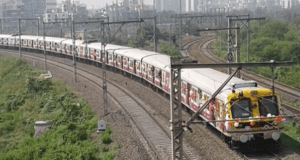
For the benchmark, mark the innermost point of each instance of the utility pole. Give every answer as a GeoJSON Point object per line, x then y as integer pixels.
{"type": "Point", "coordinates": [38, 25]}
{"type": "Point", "coordinates": [246, 24]}
{"type": "Point", "coordinates": [104, 69]}
{"type": "Point", "coordinates": [20, 41]}
{"type": "Point", "coordinates": [248, 39]}
{"type": "Point", "coordinates": [229, 53]}
{"type": "Point", "coordinates": [180, 25]}
{"type": "Point", "coordinates": [74, 51]}
{"type": "Point", "coordinates": [44, 42]}
{"type": "Point", "coordinates": [176, 114]}
{"type": "Point", "coordinates": [154, 34]}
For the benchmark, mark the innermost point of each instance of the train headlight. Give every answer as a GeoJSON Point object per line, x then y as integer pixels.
{"type": "Point", "coordinates": [275, 123]}
{"type": "Point", "coordinates": [236, 124]}
{"type": "Point", "coordinates": [243, 138]}
{"type": "Point", "coordinates": [275, 136]}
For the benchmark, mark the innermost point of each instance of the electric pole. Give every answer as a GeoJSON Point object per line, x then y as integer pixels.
{"type": "Point", "coordinates": [74, 51]}
{"type": "Point", "coordinates": [44, 42]}
{"type": "Point", "coordinates": [20, 41]}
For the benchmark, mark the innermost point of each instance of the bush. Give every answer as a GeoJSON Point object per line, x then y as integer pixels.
{"type": "Point", "coordinates": [106, 139]}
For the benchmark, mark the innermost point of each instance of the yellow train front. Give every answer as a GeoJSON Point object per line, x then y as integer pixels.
{"type": "Point", "coordinates": [252, 119]}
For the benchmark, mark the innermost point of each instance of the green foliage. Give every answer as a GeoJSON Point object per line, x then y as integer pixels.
{"type": "Point", "coordinates": [24, 100]}
{"type": "Point", "coordinates": [273, 40]}
{"type": "Point", "coordinates": [106, 139]}
{"type": "Point", "coordinates": [291, 136]}
{"type": "Point", "coordinates": [132, 43]}
{"type": "Point", "coordinates": [171, 51]}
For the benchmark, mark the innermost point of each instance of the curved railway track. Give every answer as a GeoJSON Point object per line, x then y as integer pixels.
{"type": "Point", "coordinates": [285, 91]}
{"type": "Point", "coordinates": [157, 136]}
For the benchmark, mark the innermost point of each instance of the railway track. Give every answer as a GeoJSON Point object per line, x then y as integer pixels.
{"type": "Point", "coordinates": [285, 91]}
{"type": "Point", "coordinates": [265, 155]}
{"type": "Point", "coordinates": [157, 136]}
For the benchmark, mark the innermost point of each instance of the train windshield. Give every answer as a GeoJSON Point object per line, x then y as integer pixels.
{"type": "Point", "coordinates": [241, 108]}
{"type": "Point", "coordinates": [268, 105]}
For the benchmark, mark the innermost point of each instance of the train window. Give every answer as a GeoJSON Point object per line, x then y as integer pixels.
{"type": "Point", "coordinates": [34, 43]}
{"type": "Point", "coordinates": [98, 53]}
{"type": "Point", "coordinates": [150, 69]}
{"type": "Point", "coordinates": [241, 108]}
{"type": "Point", "coordinates": [268, 105]}
{"type": "Point", "coordinates": [110, 57]}
{"type": "Point", "coordinates": [131, 63]}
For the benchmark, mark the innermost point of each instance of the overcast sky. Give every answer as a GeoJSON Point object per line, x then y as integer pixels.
{"type": "Point", "coordinates": [101, 3]}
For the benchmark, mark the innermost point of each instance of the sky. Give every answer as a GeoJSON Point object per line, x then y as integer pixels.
{"type": "Point", "coordinates": [102, 3]}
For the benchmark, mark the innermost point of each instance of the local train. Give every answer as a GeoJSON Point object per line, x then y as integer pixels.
{"type": "Point", "coordinates": [243, 111]}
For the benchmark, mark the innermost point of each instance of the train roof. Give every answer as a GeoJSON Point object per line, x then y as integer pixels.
{"type": "Point", "coordinates": [5, 36]}
{"type": "Point", "coordinates": [209, 80]}
{"type": "Point", "coordinates": [158, 60]}
{"type": "Point", "coordinates": [70, 42]}
{"type": "Point", "coordinates": [96, 45]}
{"type": "Point", "coordinates": [54, 39]}
{"type": "Point", "coordinates": [133, 53]}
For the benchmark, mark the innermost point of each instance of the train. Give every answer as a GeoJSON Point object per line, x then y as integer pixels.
{"type": "Point", "coordinates": [243, 112]}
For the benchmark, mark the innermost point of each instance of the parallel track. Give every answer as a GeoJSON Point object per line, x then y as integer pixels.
{"type": "Point", "coordinates": [156, 135]}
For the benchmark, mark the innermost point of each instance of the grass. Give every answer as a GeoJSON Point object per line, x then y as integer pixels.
{"type": "Point", "coordinates": [291, 136]}
{"type": "Point", "coordinates": [25, 99]}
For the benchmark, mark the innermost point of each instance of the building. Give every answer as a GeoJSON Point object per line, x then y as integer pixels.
{"type": "Point", "coordinates": [286, 4]}
{"type": "Point", "coordinates": [66, 9]}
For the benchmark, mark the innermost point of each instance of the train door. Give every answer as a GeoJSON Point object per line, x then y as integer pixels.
{"type": "Point", "coordinates": [144, 70]}
{"type": "Point", "coordinates": [208, 111]}
{"type": "Point", "coordinates": [163, 80]}
{"type": "Point", "coordinates": [194, 97]}
{"type": "Point", "coordinates": [184, 92]}
{"type": "Point", "coordinates": [125, 63]}
{"type": "Point", "coordinates": [221, 114]}
{"type": "Point", "coordinates": [115, 58]}
{"type": "Point", "coordinates": [138, 68]}
{"type": "Point", "coordinates": [132, 66]}
{"type": "Point", "coordinates": [34, 44]}
{"type": "Point", "coordinates": [52, 46]}
{"type": "Point", "coordinates": [110, 59]}
{"type": "Point", "coordinates": [119, 61]}
{"type": "Point", "coordinates": [29, 43]}
{"type": "Point", "coordinates": [150, 73]}
{"type": "Point", "coordinates": [158, 77]}
{"type": "Point", "coordinates": [48, 46]}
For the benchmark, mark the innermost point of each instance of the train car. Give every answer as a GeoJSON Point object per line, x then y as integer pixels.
{"type": "Point", "coordinates": [157, 68]}
{"type": "Point", "coordinates": [54, 44]}
{"type": "Point", "coordinates": [128, 59]}
{"type": "Point", "coordinates": [112, 52]}
{"type": "Point", "coordinates": [94, 50]}
{"type": "Point", "coordinates": [28, 41]}
{"type": "Point", "coordinates": [243, 104]}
